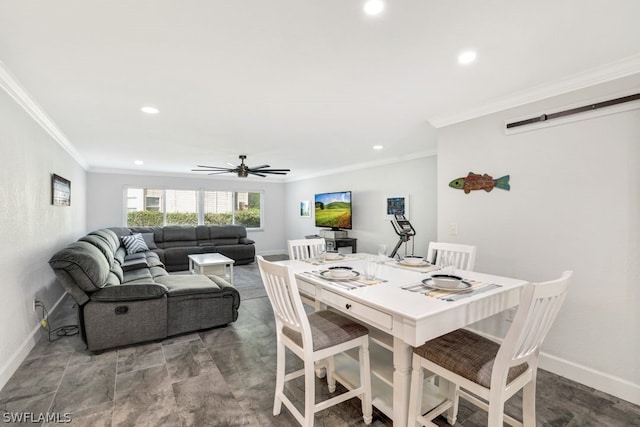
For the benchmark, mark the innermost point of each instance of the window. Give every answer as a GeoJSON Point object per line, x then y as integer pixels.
{"type": "Point", "coordinates": [152, 207]}
{"type": "Point", "coordinates": [218, 207]}
{"type": "Point", "coordinates": [181, 207]}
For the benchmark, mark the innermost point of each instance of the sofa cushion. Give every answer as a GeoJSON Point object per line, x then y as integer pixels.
{"type": "Point", "coordinates": [140, 273]}
{"type": "Point", "coordinates": [149, 240]}
{"type": "Point", "coordinates": [227, 231]}
{"type": "Point", "coordinates": [134, 243]}
{"type": "Point", "coordinates": [188, 284]}
{"type": "Point", "coordinates": [84, 263]}
{"type": "Point", "coordinates": [237, 252]}
{"type": "Point", "coordinates": [108, 236]}
{"type": "Point", "coordinates": [101, 244]}
{"type": "Point", "coordinates": [224, 242]}
{"type": "Point", "coordinates": [116, 269]}
{"type": "Point", "coordinates": [178, 236]}
{"type": "Point", "coordinates": [120, 254]}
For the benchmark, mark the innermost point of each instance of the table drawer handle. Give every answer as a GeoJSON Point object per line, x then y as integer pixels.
{"type": "Point", "coordinates": [348, 306]}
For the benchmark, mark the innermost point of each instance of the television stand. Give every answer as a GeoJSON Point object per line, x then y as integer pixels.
{"type": "Point", "coordinates": [333, 244]}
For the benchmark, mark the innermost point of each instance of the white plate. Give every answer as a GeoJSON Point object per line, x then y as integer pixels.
{"type": "Point", "coordinates": [326, 274]}
{"type": "Point", "coordinates": [461, 286]}
{"type": "Point", "coordinates": [413, 264]}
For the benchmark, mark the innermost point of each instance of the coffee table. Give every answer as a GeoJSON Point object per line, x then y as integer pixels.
{"type": "Point", "coordinates": [212, 264]}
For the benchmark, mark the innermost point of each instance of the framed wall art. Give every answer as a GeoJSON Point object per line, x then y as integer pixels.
{"type": "Point", "coordinates": [396, 205]}
{"type": "Point", "coordinates": [60, 191]}
{"type": "Point", "coordinates": [305, 210]}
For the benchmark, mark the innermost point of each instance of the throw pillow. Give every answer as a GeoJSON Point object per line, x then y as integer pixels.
{"type": "Point", "coordinates": [148, 239]}
{"type": "Point", "coordinates": [134, 244]}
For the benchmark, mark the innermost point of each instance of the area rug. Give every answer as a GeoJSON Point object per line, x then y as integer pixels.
{"type": "Point", "coordinates": [246, 279]}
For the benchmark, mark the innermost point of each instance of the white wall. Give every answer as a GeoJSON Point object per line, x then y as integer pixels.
{"type": "Point", "coordinates": [105, 201]}
{"type": "Point", "coordinates": [370, 187]}
{"type": "Point", "coordinates": [32, 228]}
{"type": "Point", "coordinates": [574, 205]}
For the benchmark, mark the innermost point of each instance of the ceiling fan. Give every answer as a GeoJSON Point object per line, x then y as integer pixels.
{"type": "Point", "coordinates": [242, 170]}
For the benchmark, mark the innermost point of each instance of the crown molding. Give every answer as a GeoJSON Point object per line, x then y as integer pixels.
{"type": "Point", "coordinates": [365, 165]}
{"type": "Point", "coordinates": [10, 85]}
{"type": "Point", "coordinates": [602, 74]}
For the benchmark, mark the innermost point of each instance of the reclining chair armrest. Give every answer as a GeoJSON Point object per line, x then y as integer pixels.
{"type": "Point", "coordinates": [129, 292]}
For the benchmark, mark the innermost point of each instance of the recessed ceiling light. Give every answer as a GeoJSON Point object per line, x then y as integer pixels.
{"type": "Point", "coordinates": [138, 162]}
{"type": "Point", "coordinates": [373, 7]}
{"type": "Point", "coordinates": [378, 147]}
{"type": "Point", "coordinates": [467, 57]}
{"type": "Point", "coordinates": [150, 110]}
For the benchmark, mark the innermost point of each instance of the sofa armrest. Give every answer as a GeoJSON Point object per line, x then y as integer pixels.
{"type": "Point", "coordinates": [129, 292]}
{"type": "Point", "coordinates": [226, 288]}
{"type": "Point", "coordinates": [246, 241]}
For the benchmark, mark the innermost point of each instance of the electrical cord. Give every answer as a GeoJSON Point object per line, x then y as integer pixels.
{"type": "Point", "coordinates": [59, 332]}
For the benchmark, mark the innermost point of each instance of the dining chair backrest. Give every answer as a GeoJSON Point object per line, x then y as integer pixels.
{"type": "Point", "coordinates": [284, 297]}
{"type": "Point", "coordinates": [463, 257]}
{"type": "Point", "coordinates": [306, 248]}
{"type": "Point", "coordinates": [538, 308]}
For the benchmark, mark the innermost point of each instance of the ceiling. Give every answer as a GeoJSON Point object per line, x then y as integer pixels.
{"type": "Point", "coordinates": [307, 85]}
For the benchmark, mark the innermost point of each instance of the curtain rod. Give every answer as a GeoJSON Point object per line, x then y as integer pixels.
{"type": "Point", "coordinates": [591, 107]}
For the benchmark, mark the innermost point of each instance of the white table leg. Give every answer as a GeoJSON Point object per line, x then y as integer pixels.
{"type": "Point", "coordinates": [402, 353]}
{"type": "Point", "coordinates": [231, 273]}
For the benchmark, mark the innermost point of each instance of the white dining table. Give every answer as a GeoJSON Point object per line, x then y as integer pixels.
{"type": "Point", "coordinates": [400, 319]}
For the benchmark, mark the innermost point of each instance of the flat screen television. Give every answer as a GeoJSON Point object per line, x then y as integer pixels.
{"type": "Point", "coordinates": [333, 210]}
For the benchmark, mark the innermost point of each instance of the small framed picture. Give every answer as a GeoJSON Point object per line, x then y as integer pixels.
{"type": "Point", "coordinates": [396, 205]}
{"type": "Point", "coordinates": [60, 191]}
{"type": "Point", "coordinates": [305, 210]}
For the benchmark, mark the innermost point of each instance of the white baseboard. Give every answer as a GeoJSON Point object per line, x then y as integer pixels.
{"type": "Point", "coordinates": [16, 359]}
{"type": "Point", "coordinates": [615, 386]}
{"type": "Point", "coordinates": [601, 381]}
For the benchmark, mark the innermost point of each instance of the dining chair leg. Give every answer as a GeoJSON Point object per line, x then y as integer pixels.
{"type": "Point", "coordinates": [529, 404]}
{"type": "Point", "coordinates": [331, 380]}
{"type": "Point", "coordinates": [415, 393]}
{"type": "Point", "coordinates": [309, 393]}
{"type": "Point", "coordinates": [365, 381]}
{"type": "Point", "coordinates": [453, 391]}
{"type": "Point", "coordinates": [280, 366]}
{"type": "Point", "coordinates": [496, 412]}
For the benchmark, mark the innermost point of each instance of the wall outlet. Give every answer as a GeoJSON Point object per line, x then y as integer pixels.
{"type": "Point", "coordinates": [453, 228]}
{"type": "Point", "coordinates": [511, 313]}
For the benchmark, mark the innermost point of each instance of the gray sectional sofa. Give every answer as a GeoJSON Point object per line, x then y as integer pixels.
{"type": "Point", "coordinates": [129, 298]}
{"type": "Point", "coordinates": [174, 243]}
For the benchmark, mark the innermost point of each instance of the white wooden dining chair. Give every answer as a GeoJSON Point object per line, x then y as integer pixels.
{"type": "Point", "coordinates": [319, 335]}
{"type": "Point", "coordinates": [492, 372]}
{"type": "Point", "coordinates": [463, 257]}
{"type": "Point", "coordinates": [306, 248]}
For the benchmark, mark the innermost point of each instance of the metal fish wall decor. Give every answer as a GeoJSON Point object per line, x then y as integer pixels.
{"type": "Point", "coordinates": [475, 181]}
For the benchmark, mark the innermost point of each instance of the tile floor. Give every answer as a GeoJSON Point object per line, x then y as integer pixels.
{"type": "Point", "coordinates": [225, 377]}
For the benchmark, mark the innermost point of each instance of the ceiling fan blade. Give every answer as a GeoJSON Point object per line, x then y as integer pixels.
{"type": "Point", "coordinates": [255, 173]}
{"type": "Point", "coordinates": [274, 170]}
{"type": "Point", "coordinates": [275, 173]}
{"type": "Point", "coordinates": [212, 170]}
{"type": "Point", "coordinates": [260, 167]}
{"type": "Point", "coordinates": [218, 173]}
{"type": "Point", "coordinates": [214, 167]}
